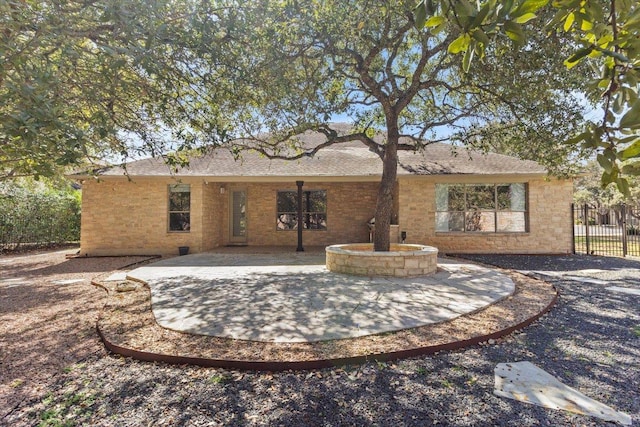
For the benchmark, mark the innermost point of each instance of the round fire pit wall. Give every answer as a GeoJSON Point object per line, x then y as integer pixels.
{"type": "Point", "coordinates": [403, 260]}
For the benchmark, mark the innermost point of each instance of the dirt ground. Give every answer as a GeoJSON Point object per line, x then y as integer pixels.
{"type": "Point", "coordinates": [54, 371]}
{"type": "Point", "coordinates": [48, 313]}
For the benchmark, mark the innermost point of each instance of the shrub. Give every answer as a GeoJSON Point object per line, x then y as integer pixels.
{"type": "Point", "coordinates": [38, 216]}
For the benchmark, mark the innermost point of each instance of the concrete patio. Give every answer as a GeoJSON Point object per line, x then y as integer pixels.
{"type": "Point", "coordinates": [291, 297]}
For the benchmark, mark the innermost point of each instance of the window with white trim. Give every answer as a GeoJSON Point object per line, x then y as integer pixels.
{"type": "Point", "coordinates": [482, 208]}
{"type": "Point", "coordinates": [180, 207]}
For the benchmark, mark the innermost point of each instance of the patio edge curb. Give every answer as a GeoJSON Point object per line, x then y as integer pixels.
{"type": "Point", "coordinates": [274, 366]}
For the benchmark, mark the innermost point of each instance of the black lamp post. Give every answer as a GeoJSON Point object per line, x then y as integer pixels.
{"type": "Point", "coordinates": [300, 219]}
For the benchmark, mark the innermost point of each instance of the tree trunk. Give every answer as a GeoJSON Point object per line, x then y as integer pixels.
{"type": "Point", "coordinates": [384, 204]}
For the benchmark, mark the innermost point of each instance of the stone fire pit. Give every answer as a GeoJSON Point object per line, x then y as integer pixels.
{"type": "Point", "coordinates": [403, 260]}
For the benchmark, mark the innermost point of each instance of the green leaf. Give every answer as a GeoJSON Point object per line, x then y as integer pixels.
{"type": "Point", "coordinates": [578, 138]}
{"type": "Point", "coordinates": [505, 8]}
{"type": "Point", "coordinates": [631, 119]}
{"type": "Point", "coordinates": [420, 15]}
{"type": "Point", "coordinates": [434, 21]}
{"type": "Point", "coordinates": [586, 25]}
{"type": "Point", "coordinates": [609, 177]}
{"type": "Point", "coordinates": [530, 6]}
{"type": "Point", "coordinates": [460, 44]}
{"type": "Point", "coordinates": [557, 18]}
{"type": "Point", "coordinates": [631, 151]}
{"type": "Point", "coordinates": [617, 55]}
{"type": "Point", "coordinates": [482, 14]}
{"type": "Point", "coordinates": [631, 169]}
{"type": "Point", "coordinates": [631, 78]}
{"type": "Point", "coordinates": [463, 8]}
{"type": "Point", "coordinates": [481, 36]}
{"type": "Point", "coordinates": [573, 60]}
{"type": "Point", "coordinates": [632, 21]}
{"type": "Point", "coordinates": [623, 186]}
{"type": "Point", "coordinates": [514, 32]}
{"type": "Point", "coordinates": [569, 21]}
{"type": "Point", "coordinates": [525, 18]}
{"type": "Point", "coordinates": [605, 163]}
{"type": "Point", "coordinates": [610, 154]}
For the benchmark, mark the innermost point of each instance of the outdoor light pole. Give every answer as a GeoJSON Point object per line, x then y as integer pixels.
{"type": "Point", "coordinates": [300, 219]}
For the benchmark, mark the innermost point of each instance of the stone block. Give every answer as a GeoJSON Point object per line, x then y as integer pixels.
{"type": "Point", "coordinates": [359, 271]}
{"type": "Point", "coordinates": [400, 272]}
{"type": "Point", "coordinates": [412, 263]}
{"type": "Point", "coordinates": [427, 263]}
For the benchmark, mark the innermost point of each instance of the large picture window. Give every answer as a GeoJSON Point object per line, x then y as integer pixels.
{"type": "Point", "coordinates": [179, 207]}
{"type": "Point", "coordinates": [314, 210]}
{"type": "Point", "coordinates": [481, 208]}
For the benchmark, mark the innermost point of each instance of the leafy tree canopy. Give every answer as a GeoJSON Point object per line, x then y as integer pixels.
{"type": "Point", "coordinates": [606, 38]}
{"type": "Point", "coordinates": [84, 81]}
{"type": "Point", "coordinates": [310, 62]}
{"type": "Point", "coordinates": [89, 79]}
{"type": "Point", "coordinates": [589, 189]}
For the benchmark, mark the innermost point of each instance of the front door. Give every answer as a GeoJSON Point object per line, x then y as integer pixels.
{"type": "Point", "coordinates": [238, 216]}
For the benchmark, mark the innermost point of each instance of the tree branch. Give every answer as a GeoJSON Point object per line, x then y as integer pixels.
{"type": "Point", "coordinates": [270, 149]}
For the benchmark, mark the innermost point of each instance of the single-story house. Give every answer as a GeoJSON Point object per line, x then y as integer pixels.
{"type": "Point", "coordinates": [459, 201]}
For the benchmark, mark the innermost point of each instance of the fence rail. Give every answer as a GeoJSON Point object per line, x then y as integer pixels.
{"type": "Point", "coordinates": [18, 232]}
{"type": "Point", "coordinates": [606, 231]}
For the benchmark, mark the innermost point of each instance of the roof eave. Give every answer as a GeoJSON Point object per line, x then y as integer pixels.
{"type": "Point", "coordinates": [470, 177]}
{"type": "Point", "coordinates": [448, 177]}
{"type": "Point", "coordinates": [236, 178]}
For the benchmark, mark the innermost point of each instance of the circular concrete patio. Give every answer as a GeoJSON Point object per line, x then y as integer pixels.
{"type": "Point", "coordinates": [289, 298]}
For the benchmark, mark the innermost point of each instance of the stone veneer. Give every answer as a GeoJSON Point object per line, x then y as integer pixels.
{"type": "Point", "coordinates": [350, 205]}
{"type": "Point", "coordinates": [122, 217]}
{"type": "Point", "coordinates": [400, 261]}
{"type": "Point", "coordinates": [549, 217]}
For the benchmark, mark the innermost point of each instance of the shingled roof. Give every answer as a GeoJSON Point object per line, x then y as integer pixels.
{"type": "Point", "coordinates": [349, 160]}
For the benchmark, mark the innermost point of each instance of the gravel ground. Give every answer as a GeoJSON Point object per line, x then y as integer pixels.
{"type": "Point", "coordinates": [590, 341]}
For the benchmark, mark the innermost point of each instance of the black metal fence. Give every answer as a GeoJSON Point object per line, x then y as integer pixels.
{"type": "Point", "coordinates": [610, 231]}
{"type": "Point", "coordinates": [38, 225]}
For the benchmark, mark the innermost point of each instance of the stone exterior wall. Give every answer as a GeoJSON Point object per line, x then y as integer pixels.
{"type": "Point", "coordinates": [131, 217]}
{"type": "Point", "coordinates": [212, 214]}
{"type": "Point", "coordinates": [349, 207]}
{"type": "Point", "coordinates": [549, 219]}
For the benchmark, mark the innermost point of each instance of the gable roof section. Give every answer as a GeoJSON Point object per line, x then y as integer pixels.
{"type": "Point", "coordinates": [340, 160]}
{"type": "Point", "coordinates": [443, 159]}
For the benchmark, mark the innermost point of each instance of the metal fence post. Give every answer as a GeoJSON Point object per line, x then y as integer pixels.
{"type": "Point", "coordinates": [573, 228]}
{"type": "Point", "coordinates": [623, 208]}
{"type": "Point", "coordinates": [586, 228]}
